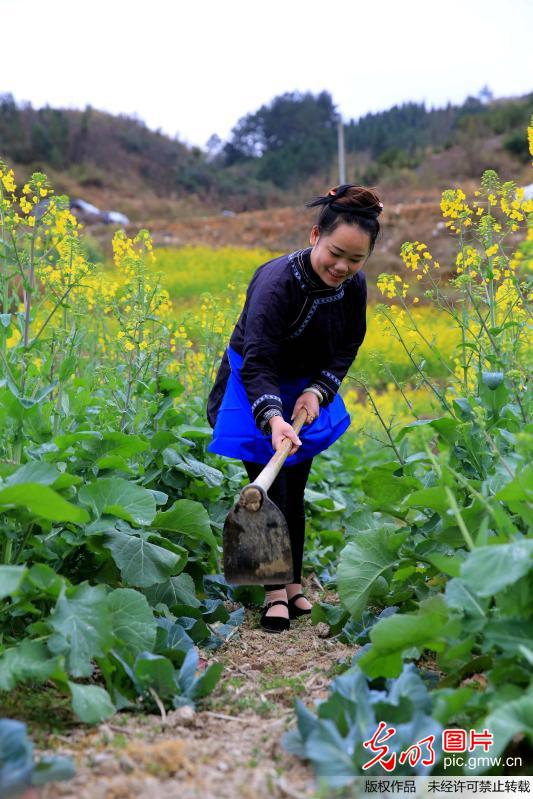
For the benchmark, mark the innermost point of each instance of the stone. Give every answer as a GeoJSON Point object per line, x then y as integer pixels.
{"type": "Point", "coordinates": [184, 716]}
{"type": "Point", "coordinates": [104, 764]}
{"type": "Point", "coordinates": [127, 764]}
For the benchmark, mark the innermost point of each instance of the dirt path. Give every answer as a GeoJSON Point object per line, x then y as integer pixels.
{"type": "Point", "coordinates": [231, 747]}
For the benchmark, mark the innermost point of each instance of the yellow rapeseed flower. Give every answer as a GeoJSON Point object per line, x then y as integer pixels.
{"type": "Point", "coordinates": [8, 180]}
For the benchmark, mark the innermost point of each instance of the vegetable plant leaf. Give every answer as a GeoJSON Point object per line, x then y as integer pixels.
{"type": "Point", "coordinates": [458, 595]}
{"type": "Point", "coordinates": [132, 620]}
{"type": "Point", "coordinates": [187, 672]}
{"type": "Point", "coordinates": [28, 660]}
{"type": "Point", "coordinates": [177, 590]}
{"type": "Point", "coordinates": [18, 771]}
{"type": "Point", "coordinates": [195, 468]}
{"type": "Point", "coordinates": [207, 681]}
{"type": "Point", "coordinates": [188, 518]}
{"type": "Point", "coordinates": [82, 627]}
{"type": "Point", "coordinates": [509, 634]}
{"type": "Point", "coordinates": [364, 559]}
{"type": "Point", "coordinates": [43, 502]}
{"type": "Point", "coordinates": [10, 579]}
{"type": "Point", "coordinates": [172, 639]}
{"type": "Point", "coordinates": [34, 472]}
{"type": "Point", "coordinates": [331, 754]}
{"type": "Point", "coordinates": [385, 489]}
{"type": "Point", "coordinates": [508, 720]}
{"type": "Point", "coordinates": [91, 703]}
{"type": "Point", "coordinates": [117, 497]}
{"type": "Point", "coordinates": [489, 569]}
{"type": "Point", "coordinates": [393, 635]}
{"type": "Point", "coordinates": [141, 563]}
{"type": "Point", "coordinates": [434, 498]}
{"type": "Point", "coordinates": [520, 488]}
{"type": "Point", "coordinates": [157, 672]}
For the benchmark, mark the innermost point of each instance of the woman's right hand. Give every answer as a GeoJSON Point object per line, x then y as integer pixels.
{"type": "Point", "coordinates": [282, 430]}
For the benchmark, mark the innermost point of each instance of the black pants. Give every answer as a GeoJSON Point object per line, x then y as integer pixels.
{"type": "Point", "coordinates": [287, 492]}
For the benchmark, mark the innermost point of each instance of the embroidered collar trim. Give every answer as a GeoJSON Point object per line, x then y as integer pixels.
{"type": "Point", "coordinates": [300, 262]}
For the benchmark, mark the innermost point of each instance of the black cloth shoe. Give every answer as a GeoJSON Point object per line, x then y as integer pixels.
{"type": "Point", "coordinates": [294, 610]}
{"type": "Point", "coordinates": [274, 624]}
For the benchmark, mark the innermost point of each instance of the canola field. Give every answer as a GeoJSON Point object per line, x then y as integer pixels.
{"type": "Point", "coordinates": [207, 287]}
{"type": "Point", "coordinates": [112, 596]}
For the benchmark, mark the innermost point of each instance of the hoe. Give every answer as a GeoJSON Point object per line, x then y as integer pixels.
{"type": "Point", "coordinates": [256, 544]}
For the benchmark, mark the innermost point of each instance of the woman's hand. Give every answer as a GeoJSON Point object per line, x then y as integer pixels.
{"type": "Point", "coordinates": [282, 430]}
{"type": "Point", "coordinates": [309, 401]}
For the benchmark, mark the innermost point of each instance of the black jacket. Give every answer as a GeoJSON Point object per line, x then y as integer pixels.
{"type": "Point", "coordinates": [293, 324]}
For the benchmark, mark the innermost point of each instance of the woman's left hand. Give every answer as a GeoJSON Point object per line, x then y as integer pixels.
{"type": "Point", "coordinates": [309, 401]}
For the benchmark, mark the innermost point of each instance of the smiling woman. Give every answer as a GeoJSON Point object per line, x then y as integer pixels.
{"type": "Point", "coordinates": [302, 324]}
{"type": "Point", "coordinates": [340, 254]}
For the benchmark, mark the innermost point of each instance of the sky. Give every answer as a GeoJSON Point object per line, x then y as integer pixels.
{"type": "Point", "coordinates": [195, 67]}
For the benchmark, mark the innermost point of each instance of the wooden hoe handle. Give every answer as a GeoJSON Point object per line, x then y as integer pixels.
{"type": "Point", "coordinates": [250, 497]}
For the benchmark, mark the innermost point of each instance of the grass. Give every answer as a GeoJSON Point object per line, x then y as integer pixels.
{"type": "Point", "coordinates": [336, 669]}
{"type": "Point", "coordinates": [45, 710]}
{"type": "Point", "coordinates": [237, 695]}
{"type": "Point", "coordinates": [290, 684]}
{"type": "Point", "coordinates": [224, 702]}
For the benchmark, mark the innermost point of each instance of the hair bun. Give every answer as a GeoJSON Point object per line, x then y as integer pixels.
{"type": "Point", "coordinates": [350, 199]}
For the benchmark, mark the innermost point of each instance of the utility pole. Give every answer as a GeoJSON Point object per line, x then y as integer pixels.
{"type": "Point", "coordinates": [342, 151]}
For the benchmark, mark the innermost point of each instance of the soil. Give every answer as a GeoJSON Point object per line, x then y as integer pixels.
{"type": "Point", "coordinates": [231, 745]}
{"type": "Point", "coordinates": [287, 229]}
{"type": "Point", "coordinates": [282, 230]}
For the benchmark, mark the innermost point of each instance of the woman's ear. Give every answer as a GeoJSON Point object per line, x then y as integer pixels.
{"type": "Point", "coordinates": [314, 235]}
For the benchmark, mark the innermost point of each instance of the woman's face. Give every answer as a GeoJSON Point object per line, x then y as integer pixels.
{"type": "Point", "coordinates": [338, 255]}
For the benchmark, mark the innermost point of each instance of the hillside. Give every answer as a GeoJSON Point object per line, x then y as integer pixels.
{"type": "Point", "coordinates": [187, 195]}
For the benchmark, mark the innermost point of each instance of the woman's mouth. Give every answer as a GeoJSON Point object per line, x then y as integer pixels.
{"type": "Point", "coordinates": [335, 277]}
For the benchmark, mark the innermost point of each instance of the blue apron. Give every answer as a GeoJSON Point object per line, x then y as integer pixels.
{"type": "Point", "coordinates": [236, 434]}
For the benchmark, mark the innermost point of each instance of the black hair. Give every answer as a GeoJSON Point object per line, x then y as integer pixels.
{"type": "Point", "coordinates": [353, 205]}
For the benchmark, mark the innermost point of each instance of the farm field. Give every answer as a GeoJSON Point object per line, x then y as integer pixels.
{"type": "Point", "coordinates": [121, 645]}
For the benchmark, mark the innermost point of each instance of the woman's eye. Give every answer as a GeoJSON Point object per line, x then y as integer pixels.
{"type": "Point", "coordinates": [352, 260]}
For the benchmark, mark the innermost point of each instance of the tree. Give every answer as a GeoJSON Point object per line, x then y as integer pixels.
{"type": "Point", "coordinates": [214, 147]}
{"type": "Point", "coordinates": [485, 94]}
{"type": "Point", "coordinates": [291, 137]}
{"type": "Point", "coordinates": [12, 139]}
{"type": "Point", "coordinates": [50, 137]}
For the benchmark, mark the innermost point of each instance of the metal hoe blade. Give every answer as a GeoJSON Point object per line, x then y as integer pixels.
{"type": "Point", "coordinates": [256, 543]}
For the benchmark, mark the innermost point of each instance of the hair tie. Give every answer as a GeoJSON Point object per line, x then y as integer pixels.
{"type": "Point", "coordinates": [337, 192]}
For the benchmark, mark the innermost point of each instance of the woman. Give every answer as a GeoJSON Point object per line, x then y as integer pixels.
{"type": "Point", "coordinates": [302, 324]}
